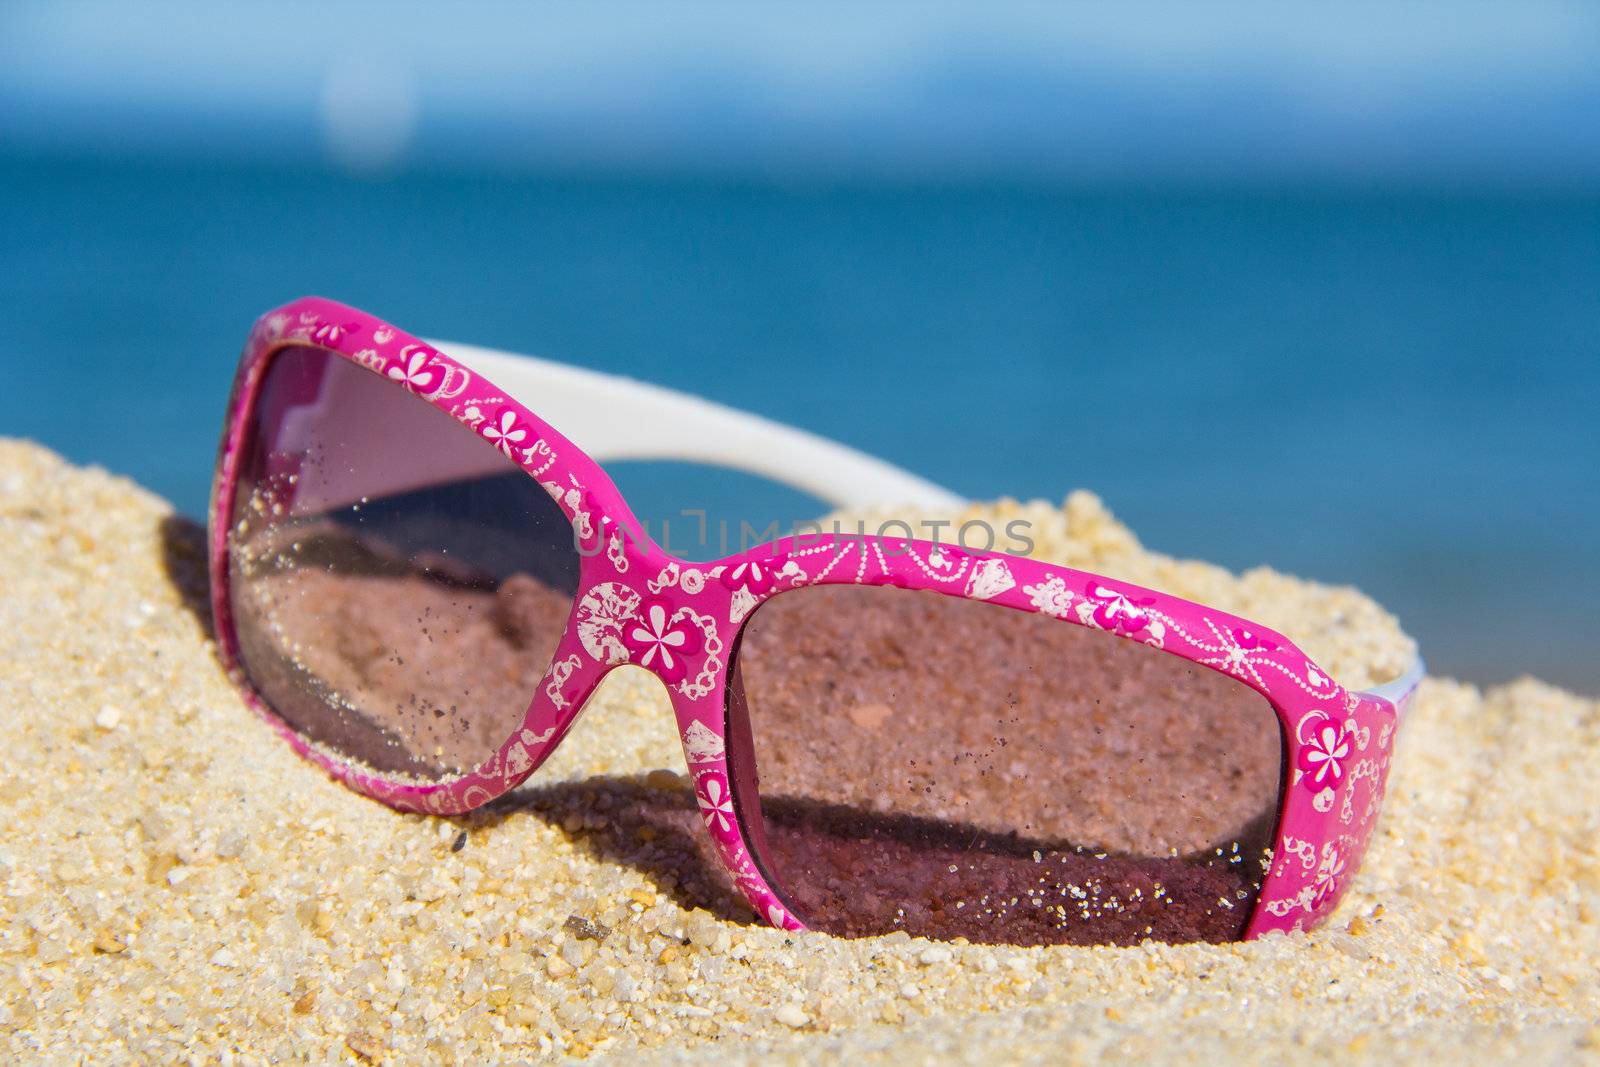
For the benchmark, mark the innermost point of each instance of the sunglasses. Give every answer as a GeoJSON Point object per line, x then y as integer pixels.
{"type": "Point", "coordinates": [419, 583]}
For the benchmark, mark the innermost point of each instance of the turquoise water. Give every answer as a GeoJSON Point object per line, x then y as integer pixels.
{"type": "Point", "coordinates": [1392, 389]}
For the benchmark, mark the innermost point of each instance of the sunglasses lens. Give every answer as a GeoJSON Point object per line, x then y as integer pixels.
{"type": "Point", "coordinates": [398, 585]}
{"type": "Point", "coordinates": [954, 768]}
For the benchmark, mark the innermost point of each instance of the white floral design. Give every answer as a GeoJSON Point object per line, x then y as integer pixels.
{"type": "Point", "coordinates": [413, 371]}
{"type": "Point", "coordinates": [504, 432]}
{"type": "Point", "coordinates": [716, 804]}
{"type": "Point", "coordinates": [659, 644]}
{"type": "Point", "coordinates": [329, 333]}
{"type": "Point", "coordinates": [1324, 754]}
{"type": "Point", "coordinates": [1051, 597]}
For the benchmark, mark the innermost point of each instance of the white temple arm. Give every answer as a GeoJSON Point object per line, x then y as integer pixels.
{"type": "Point", "coordinates": [1400, 691]}
{"type": "Point", "coordinates": [611, 417]}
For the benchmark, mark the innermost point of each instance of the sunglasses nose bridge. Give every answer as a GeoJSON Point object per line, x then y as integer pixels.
{"type": "Point", "coordinates": [641, 605]}
{"type": "Point", "coordinates": [681, 634]}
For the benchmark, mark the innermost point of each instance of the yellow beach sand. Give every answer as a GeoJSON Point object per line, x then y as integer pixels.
{"type": "Point", "coordinates": [176, 884]}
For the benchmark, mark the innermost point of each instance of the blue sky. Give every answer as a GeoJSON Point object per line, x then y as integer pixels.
{"type": "Point", "coordinates": [1431, 92]}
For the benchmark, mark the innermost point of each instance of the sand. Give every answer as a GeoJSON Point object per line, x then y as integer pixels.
{"type": "Point", "coordinates": [177, 885]}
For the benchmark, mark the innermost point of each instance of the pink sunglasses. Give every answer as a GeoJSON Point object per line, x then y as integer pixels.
{"type": "Point", "coordinates": [419, 583]}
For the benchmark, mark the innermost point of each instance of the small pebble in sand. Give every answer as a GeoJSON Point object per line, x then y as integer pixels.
{"type": "Point", "coordinates": [792, 1016]}
{"type": "Point", "coordinates": [585, 929]}
{"type": "Point", "coordinates": [871, 716]}
{"type": "Point", "coordinates": [109, 944]}
{"type": "Point", "coordinates": [366, 1047]}
{"type": "Point", "coordinates": [109, 718]}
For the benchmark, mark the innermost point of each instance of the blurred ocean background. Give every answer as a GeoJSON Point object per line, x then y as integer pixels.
{"type": "Point", "coordinates": [1306, 286]}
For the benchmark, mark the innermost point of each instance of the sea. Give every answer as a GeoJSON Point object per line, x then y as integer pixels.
{"type": "Point", "coordinates": [1396, 388]}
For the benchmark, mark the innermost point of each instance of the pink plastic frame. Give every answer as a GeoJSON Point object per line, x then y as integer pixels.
{"type": "Point", "coordinates": [633, 596]}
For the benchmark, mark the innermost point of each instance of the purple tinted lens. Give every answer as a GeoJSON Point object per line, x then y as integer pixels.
{"type": "Point", "coordinates": [953, 768]}
{"type": "Point", "coordinates": [398, 586]}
